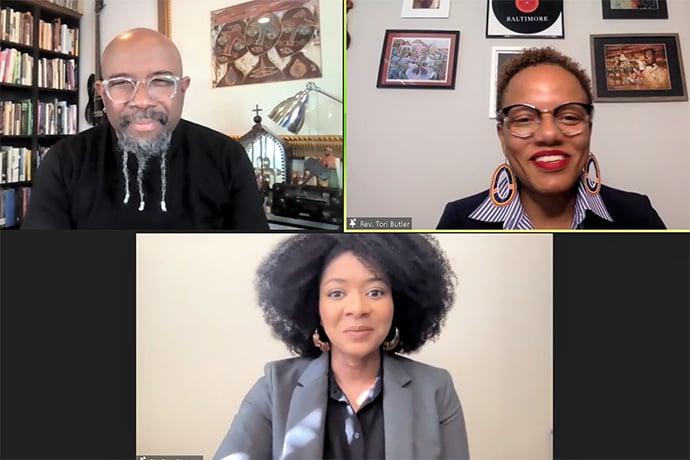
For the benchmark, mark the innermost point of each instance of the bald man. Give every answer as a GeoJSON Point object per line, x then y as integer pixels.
{"type": "Point", "coordinates": [147, 168]}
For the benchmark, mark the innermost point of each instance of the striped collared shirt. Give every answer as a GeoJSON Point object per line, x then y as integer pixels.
{"type": "Point", "coordinates": [514, 216]}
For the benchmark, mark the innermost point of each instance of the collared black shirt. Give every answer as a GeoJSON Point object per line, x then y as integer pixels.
{"type": "Point", "coordinates": [351, 435]}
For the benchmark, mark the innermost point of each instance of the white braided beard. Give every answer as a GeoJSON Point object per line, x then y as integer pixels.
{"type": "Point", "coordinates": [144, 150]}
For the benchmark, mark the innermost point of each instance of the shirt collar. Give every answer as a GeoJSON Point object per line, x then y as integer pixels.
{"type": "Point", "coordinates": [336, 393]}
{"type": "Point", "coordinates": [514, 216]}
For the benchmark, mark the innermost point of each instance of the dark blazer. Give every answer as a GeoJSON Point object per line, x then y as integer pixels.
{"type": "Point", "coordinates": [283, 416]}
{"type": "Point", "coordinates": [630, 211]}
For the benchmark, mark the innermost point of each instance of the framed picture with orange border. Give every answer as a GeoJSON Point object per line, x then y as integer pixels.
{"type": "Point", "coordinates": [637, 68]}
{"type": "Point", "coordinates": [419, 59]}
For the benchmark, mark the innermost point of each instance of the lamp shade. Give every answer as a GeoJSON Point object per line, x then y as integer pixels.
{"type": "Point", "coordinates": [290, 113]}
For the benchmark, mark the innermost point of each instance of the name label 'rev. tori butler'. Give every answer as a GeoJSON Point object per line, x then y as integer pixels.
{"type": "Point", "coordinates": [527, 19]}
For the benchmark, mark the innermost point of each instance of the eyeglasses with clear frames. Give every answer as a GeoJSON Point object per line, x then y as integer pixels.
{"type": "Point", "coordinates": [122, 89]}
{"type": "Point", "coordinates": [523, 120]}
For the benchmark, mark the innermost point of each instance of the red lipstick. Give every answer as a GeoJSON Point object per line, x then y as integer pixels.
{"type": "Point", "coordinates": [550, 160]}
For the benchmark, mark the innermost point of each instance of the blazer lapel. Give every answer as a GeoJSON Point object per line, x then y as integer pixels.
{"type": "Point", "coordinates": [305, 427]}
{"type": "Point", "coordinates": [397, 409]}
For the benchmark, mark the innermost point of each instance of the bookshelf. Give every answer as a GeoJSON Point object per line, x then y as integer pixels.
{"type": "Point", "coordinates": [39, 92]}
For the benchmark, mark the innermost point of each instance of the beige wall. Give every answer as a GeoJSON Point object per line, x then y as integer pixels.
{"type": "Point", "coordinates": [202, 343]}
{"type": "Point", "coordinates": [410, 151]}
{"type": "Point", "coordinates": [228, 110]}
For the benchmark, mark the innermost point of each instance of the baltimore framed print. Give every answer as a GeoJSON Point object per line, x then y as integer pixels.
{"type": "Point", "coordinates": [524, 19]}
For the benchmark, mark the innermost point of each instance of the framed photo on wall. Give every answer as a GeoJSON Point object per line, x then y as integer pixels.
{"type": "Point", "coordinates": [634, 9]}
{"type": "Point", "coordinates": [637, 68]}
{"type": "Point", "coordinates": [419, 59]}
{"type": "Point", "coordinates": [500, 55]}
{"type": "Point", "coordinates": [524, 19]}
{"type": "Point", "coordinates": [425, 8]}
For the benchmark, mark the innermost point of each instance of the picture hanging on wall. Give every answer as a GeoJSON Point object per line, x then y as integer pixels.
{"type": "Point", "coordinates": [425, 8]}
{"type": "Point", "coordinates": [419, 59]}
{"type": "Point", "coordinates": [524, 19]}
{"type": "Point", "coordinates": [637, 68]}
{"type": "Point", "coordinates": [500, 55]}
{"type": "Point", "coordinates": [634, 9]}
{"type": "Point", "coordinates": [265, 42]}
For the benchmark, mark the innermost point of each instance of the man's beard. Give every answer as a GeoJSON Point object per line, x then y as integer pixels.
{"type": "Point", "coordinates": [144, 150]}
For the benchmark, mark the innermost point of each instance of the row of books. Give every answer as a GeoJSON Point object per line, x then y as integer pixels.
{"type": "Point", "coordinates": [18, 27]}
{"type": "Point", "coordinates": [13, 205]}
{"type": "Point", "coordinates": [15, 164]}
{"type": "Point", "coordinates": [55, 36]}
{"type": "Point", "coordinates": [16, 67]}
{"type": "Point", "coordinates": [17, 118]}
{"type": "Point", "coordinates": [71, 4]}
{"type": "Point", "coordinates": [57, 73]}
{"type": "Point", "coordinates": [57, 118]}
{"type": "Point", "coordinates": [53, 118]}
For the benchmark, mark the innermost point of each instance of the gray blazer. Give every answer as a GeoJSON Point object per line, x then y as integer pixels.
{"type": "Point", "coordinates": [283, 415]}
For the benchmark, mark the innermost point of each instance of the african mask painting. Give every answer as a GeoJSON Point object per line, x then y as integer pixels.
{"type": "Point", "coordinates": [265, 41]}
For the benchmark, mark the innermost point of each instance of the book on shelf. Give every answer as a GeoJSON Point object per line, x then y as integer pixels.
{"type": "Point", "coordinates": [13, 205]}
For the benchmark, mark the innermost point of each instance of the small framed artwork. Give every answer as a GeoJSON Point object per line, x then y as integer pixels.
{"type": "Point", "coordinates": [500, 55]}
{"type": "Point", "coordinates": [637, 68]}
{"type": "Point", "coordinates": [419, 59]}
{"type": "Point", "coordinates": [524, 19]}
{"type": "Point", "coordinates": [634, 9]}
{"type": "Point", "coordinates": [425, 8]}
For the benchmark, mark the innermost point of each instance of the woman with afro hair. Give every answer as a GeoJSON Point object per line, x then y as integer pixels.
{"type": "Point", "coordinates": [348, 305]}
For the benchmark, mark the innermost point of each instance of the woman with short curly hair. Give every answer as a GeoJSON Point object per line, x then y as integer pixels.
{"type": "Point", "coordinates": [347, 304]}
{"type": "Point", "coordinates": [550, 179]}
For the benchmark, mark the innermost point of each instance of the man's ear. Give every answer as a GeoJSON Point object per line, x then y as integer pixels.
{"type": "Point", "coordinates": [100, 89]}
{"type": "Point", "coordinates": [184, 84]}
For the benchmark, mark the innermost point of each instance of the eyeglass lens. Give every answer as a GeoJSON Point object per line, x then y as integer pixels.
{"type": "Point", "coordinates": [569, 118]}
{"type": "Point", "coordinates": [122, 89]}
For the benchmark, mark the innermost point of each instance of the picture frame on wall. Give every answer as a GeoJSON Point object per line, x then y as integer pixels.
{"type": "Point", "coordinates": [524, 19]}
{"type": "Point", "coordinates": [634, 9]}
{"type": "Point", "coordinates": [425, 9]}
{"type": "Point", "coordinates": [637, 68]}
{"type": "Point", "coordinates": [500, 55]}
{"type": "Point", "coordinates": [419, 59]}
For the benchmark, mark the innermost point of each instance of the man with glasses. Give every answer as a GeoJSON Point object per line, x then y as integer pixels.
{"type": "Point", "coordinates": [147, 168]}
{"type": "Point", "coordinates": [550, 180]}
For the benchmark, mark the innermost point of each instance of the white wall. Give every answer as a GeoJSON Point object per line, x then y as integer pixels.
{"type": "Point", "coordinates": [409, 152]}
{"type": "Point", "coordinates": [202, 342]}
{"type": "Point", "coordinates": [228, 110]}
